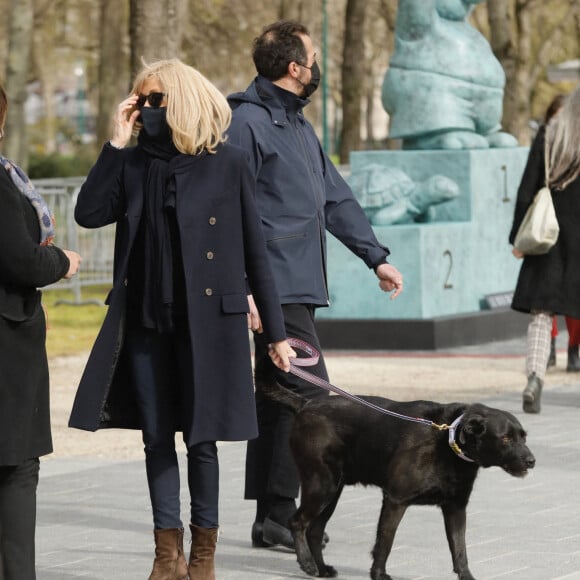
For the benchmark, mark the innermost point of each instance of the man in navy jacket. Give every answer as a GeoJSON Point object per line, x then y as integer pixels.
{"type": "Point", "coordinates": [299, 196]}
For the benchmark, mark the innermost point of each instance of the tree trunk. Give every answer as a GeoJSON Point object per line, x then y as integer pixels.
{"type": "Point", "coordinates": [113, 65]}
{"type": "Point", "coordinates": [19, 49]}
{"type": "Point", "coordinates": [524, 53]}
{"type": "Point", "coordinates": [353, 71]}
{"type": "Point", "coordinates": [155, 31]}
{"type": "Point", "coordinates": [44, 67]}
{"type": "Point", "coordinates": [503, 44]}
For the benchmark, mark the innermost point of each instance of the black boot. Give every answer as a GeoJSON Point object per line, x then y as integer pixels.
{"type": "Point", "coordinates": [573, 360]}
{"type": "Point", "coordinates": [258, 535]}
{"type": "Point", "coordinates": [552, 357]}
{"type": "Point", "coordinates": [533, 394]}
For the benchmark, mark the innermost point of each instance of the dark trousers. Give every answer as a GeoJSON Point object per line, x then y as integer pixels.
{"type": "Point", "coordinates": [162, 374]}
{"type": "Point", "coordinates": [270, 468]}
{"type": "Point", "coordinates": [18, 486]}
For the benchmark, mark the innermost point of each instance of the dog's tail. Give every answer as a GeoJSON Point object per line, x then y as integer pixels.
{"type": "Point", "coordinates": [276, 392]}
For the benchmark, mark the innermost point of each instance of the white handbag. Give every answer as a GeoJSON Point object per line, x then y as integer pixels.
{"type": "Point", "coordinates": [539, 229]}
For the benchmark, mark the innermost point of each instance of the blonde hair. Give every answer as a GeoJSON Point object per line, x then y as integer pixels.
{"type": "Point", "coordinates": [197, 113]}
{"type": "Point", "coordinates": [563, 143]}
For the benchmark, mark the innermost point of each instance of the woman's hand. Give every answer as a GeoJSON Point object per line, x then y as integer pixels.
{"type": "Point", "coordinates": [254, 320]}
{"type": "Point", "coordinates": [123, 122]}
{"type": "Point", "coordinates": [280, 352]}
{"type": "Point", "coordinates": [74, 263]}
{"type": "Point", "coordinates": [519, 255]}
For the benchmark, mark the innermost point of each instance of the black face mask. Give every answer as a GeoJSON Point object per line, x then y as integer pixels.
{"type": "Point", "coordinates": [314, 80]}
{"type": "Point", "coordinates": [155, 123]}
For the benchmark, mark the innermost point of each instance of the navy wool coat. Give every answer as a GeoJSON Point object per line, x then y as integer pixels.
{"type": "Point", "coordinates": [549, 282]}
{"type": "Point", "coordinates": [221, 243]}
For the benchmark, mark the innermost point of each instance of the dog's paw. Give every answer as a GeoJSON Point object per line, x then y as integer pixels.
{"type": "Point", "coordinates": [309, 567]}
{"type": "Point", "coordinates": [380, 575]}
{"type": "Point", "coordinates": [328, 572]}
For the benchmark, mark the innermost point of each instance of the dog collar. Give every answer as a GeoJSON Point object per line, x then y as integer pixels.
{"type": "Point", "coordinates": [452, 443]}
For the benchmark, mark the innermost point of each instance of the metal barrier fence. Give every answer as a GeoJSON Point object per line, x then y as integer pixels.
{"type": "Point", "coordinates": [94, 246]}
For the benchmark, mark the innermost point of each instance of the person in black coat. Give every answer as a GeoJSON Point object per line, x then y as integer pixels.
{"type": "Point", "coordinates": [300, 195]}
{"type": "Point", "coordinates": [173, 353]}
{"type": "Point", "coordinates": [28, 260]}
{"type": "Point", "coordinates": [572, 324]}
{"type": "Point", "coordinates": [550, 283]}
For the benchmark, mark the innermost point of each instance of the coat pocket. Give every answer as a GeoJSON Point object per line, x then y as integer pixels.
{"type": "Point", "coordinates": [235, 304]}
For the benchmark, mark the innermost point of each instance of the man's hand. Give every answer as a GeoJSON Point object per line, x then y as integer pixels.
{"type": "Point", "coordinates": [390, 279]}
{"type": "Point", "coordinates": [254, 320]}
{"type": "Point", "coordinates": [280, 352]}
{"type": "Point", "coordinates": [519, 255]}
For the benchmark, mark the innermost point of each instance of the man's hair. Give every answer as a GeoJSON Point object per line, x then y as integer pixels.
{"type": "Point", "coordinates": [278, 46]}
{"type": "Point", "coordinates": [197, 112]}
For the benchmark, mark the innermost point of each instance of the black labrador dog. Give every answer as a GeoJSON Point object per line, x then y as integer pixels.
{"type": "Point", "coordinates": [337, 442]}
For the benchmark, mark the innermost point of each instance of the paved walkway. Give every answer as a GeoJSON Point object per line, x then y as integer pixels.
{"type": "Point", "coordinates": [94, 518]}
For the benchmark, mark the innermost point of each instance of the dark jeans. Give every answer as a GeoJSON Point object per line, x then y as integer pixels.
{"type": "Point", "coordinates": [162, 374]}
{"type": "Point", "coordinates": [18, 520]}
{"type": "Point", "coordinates": [270, 468]}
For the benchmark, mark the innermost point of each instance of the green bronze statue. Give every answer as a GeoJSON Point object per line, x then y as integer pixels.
{"type": "Point", "coordinates": [444, 86]}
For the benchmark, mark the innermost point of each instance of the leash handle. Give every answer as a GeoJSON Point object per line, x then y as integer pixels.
{"type": "Point", "coordinates": [313, 358]}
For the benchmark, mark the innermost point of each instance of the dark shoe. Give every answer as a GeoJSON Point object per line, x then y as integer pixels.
{"type": "Point", "coordinates": [258, 536]}
{"type": "Point", "coordinates": [573, 360]}
{"type": "Point", "coordinates": [533, 394]}
{"type": "Point", "coordinates": [275, 534]}
{"type": "Point", "coordinates": [552, 357]}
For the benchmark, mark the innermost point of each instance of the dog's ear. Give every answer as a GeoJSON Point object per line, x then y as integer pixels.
{"type": "Point", "coordinates": [474, 426]}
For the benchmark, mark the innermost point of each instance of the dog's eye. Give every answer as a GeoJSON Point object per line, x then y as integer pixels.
{"type": "Point", "coordinates": [506, 440]}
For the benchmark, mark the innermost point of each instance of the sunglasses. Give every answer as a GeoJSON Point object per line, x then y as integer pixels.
{"type": "Point", "coordinates": [154, 100]}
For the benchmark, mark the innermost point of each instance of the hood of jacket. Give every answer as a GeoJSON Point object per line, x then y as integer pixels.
{"type": "Point", "coordinates": [262, 93]}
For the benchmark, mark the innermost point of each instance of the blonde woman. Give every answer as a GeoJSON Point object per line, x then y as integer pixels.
{"type": "Point", "coordinates": [173, 353]}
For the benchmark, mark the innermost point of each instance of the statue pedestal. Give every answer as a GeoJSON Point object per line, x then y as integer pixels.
{"type": "Point", "coordinates": [450, 264]}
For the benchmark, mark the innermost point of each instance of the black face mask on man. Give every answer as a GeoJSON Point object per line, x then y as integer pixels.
{"type": "Point", "coordinates": [155, 123]}
{"type": "Point", "coordinates": [314, 79]}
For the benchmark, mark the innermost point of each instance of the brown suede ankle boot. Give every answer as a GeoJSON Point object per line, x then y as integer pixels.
{"type": "Point", "coordinates": [201, 558]}
{"type": "Point", "coordinates": [169, 561]}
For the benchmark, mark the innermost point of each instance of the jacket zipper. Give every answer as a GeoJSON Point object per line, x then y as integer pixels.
{"type": "Point", "coordinates": [321, 232]}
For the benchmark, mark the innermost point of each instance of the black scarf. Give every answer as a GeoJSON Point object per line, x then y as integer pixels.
{"type": "Point", "coordinates": [159, 200]}
{"type": "Point", "coordinates": [161, 244]}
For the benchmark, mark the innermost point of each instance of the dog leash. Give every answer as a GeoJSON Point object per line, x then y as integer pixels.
{"type": "Point", "coordinates": [312, 359]}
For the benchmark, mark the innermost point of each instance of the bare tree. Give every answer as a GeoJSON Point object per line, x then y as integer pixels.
{"type": "Point", "coordinates": [113, 71]}
{"type": "Point", "coordinates": [353, 77]}
{"type": "Point", "coordinates": [524, 35]}
{"type": "Point", "coordinates": [155, 30]}
{"type": "Point", "coordinates": [380, 34]}
{"type": "Point", "coordinates": [44, 67]}
{"type": "Point", "coordinates": [19, 50]}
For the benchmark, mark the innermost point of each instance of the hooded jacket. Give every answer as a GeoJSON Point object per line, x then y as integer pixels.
{"type": "Point", "coordinates": [299, 193]}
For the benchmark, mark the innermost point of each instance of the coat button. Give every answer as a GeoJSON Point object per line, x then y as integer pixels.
{"type": "Point", "coordinates": [212, 221]}
{"type": "Point", "coordinates": [209, 255]}
{"type": "Point", "coordinates": [208, 291]}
